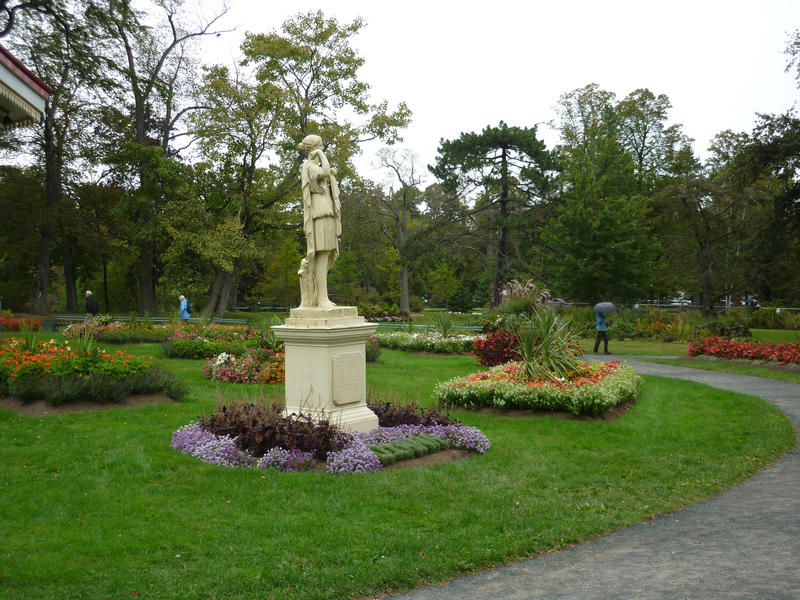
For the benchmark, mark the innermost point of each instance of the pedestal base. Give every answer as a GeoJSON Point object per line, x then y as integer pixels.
{"type": "Point", "coordinates": [326, 365]}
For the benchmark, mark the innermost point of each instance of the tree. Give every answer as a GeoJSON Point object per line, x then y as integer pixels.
{"type": "Point", "coordinates": [602, 248]}
{"type": "Point", "coordinates": [313, 62]}
{"type": "Point", "coordinates": [150, 68]}
{"type": "Point", "coordinates": [67, 63]}
{"type": "Point", "coordinates": [9, 10]}
{"type": "Point", "coordinates": [763, 168]}
{"type": "Point", "coordinates": [242, 122]}
{"type": "Point", "coordinates": [510, 167]}
{"type": "Point", "coordinates": [22, 204]}
{"type": "Point", "coordinates": [306, 81]}
{"type": "Point", "coordinates": [398, 206]}
{"type": "Point", "coordinates": [643, 133]}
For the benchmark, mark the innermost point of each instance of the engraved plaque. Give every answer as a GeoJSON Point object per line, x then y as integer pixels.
{"type": "Point", "coordinates": [349, 372]}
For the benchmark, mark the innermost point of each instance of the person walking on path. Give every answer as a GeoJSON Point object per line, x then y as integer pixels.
{"type": "Point", "coordinates": [91, 307]}
{"type": "Point", "coordinates": [602, 332]}
{"type": "Point", "coordinates": [183, 308]}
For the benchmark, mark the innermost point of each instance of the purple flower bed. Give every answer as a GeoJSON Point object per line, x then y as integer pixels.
{"type": "Point", "coordinates": [195, 440]}
{"type": "Point", "coordinates": [355, 458]}
{"type": "Point", "coordinates": [286, 460]}
{"type": "Point", "coordinates": [458, 436]}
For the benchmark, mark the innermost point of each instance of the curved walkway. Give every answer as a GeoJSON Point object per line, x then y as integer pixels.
{"type": "Point", "coordinates": [744, 543]}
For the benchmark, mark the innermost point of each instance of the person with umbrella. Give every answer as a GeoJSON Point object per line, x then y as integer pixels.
{"type": "Point", "coordinates": [600, 310]}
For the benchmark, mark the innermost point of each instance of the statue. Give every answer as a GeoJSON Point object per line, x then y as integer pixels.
{"type": "Point", "coordinates": [322, 223]}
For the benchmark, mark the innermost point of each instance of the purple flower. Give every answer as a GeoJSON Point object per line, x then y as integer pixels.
{"type": "Point", "coordinates": [195, 440]}
{"type": "Point", "coordinates": [286, 460]}
{"type": "Point", "coordinates": [458, 436]}
{"type": "Point", "coordinates": [355, 458]}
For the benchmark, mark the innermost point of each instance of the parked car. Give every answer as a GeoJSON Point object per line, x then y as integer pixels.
{"type": "Point", "coordinates": [679, 302]}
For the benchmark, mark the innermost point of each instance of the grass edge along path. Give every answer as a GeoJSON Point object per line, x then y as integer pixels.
{"type": "Point", "coordinates": [97, 505]}
{"type": "Point", "coordinates": [764, 370]}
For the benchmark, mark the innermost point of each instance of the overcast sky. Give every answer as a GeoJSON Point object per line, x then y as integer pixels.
{"type": "Point", "coordinates": [461, 66]}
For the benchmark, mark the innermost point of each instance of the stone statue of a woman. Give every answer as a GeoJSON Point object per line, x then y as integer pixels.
{"type": "Point", "coordinates": [322, 223]}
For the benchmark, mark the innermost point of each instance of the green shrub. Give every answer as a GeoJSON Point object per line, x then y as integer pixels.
{"type": "Point", "coordinates": [392, 414]}
{"type": "Point", "coordinates": [259, 427]}
{"type": "Point", "coordinates": [372, 349]}
{"type": "Point", "coordinates": [411, 447]}
{"type": "Point", "coordinates": [97, 388]}
{"type": "Point", "coordinates": [768, 318]}
{"type": "Point", "coordinates": [194, 348]}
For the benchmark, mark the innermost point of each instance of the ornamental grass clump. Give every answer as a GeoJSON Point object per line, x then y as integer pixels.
{"type": "Point", "coordinates": [544, 346]}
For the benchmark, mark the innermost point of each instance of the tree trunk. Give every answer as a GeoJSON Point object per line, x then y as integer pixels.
{"type": "Point", "coordinates": [213, 297]}
{"type": "Point", "coordinates": [69, 278]}
{"type": "Point", "coordinates": [404, 305]}
{"type": "Point", "coordinates": [225, 294]}
{"type": "Point", "coordinates": [52, 161]}
{"type": "Point", "coordinates": [502, 242]}
{"type": "Point", "coordinates": [147, 286]}
{"type": "Point", "coordinates": [221, 293]}
{"type": "Point", "coordinates": [41, 278]}
{"type": "Point", "coordinates": [105, 284]}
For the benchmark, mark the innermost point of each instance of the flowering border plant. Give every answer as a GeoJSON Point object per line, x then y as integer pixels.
{"type": "Point", "coordinates": [591, 389]}
{"type": "Point", "coordinates": [17, 324]}
{"type": "Point", "coordinates": [64, 372]}
{"type": "Point", "coordinates": [784, 354]}
{"type": "Point", "coordinates": [256, 365]}
{"type": "Point", "coordinates": [426, 342]}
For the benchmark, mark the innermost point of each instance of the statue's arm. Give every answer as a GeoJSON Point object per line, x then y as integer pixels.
{"type": "Point", "coordinates": [325, 167]}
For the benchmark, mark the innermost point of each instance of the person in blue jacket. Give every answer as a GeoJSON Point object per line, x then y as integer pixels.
{"type": "Point", "coordinates": [602, 333]}
{"type": "Point", "coordinates": [183, 308]}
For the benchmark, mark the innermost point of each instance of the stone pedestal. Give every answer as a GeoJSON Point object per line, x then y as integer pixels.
{"type": "Point", "coordinates": [326, 365]}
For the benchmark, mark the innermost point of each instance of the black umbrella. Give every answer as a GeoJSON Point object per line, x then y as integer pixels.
{"type": "Point", "coordinates": [604, 307]}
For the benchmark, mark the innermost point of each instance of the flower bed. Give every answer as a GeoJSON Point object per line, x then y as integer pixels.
{"type": "Point", "coordinates": [214, 340]}
{"type": "Point", "coordinates": [256, 365]}
{"type": "Point", "coordinates": [118, 332]}
{"type": "Point", "coordinates": [255, 435]}
{"type": "Point", "coordinates": [722, 347]}
{"type": "Point", "coordinates": [18, 324]}
{"type": "Point", "coordinates": [360, 453]}
{"type": "Point", "coordinates": [426, 342]}
{"type": "Point", "coordinates": [59, 373]}
{"type": "Point", "coordinates": [590, 390]}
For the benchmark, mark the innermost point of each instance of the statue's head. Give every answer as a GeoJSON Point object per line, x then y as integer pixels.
{"type": "Point", "coordinates": [310, 142]}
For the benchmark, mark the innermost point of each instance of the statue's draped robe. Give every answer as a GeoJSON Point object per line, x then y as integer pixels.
{"type": "Point", "coordinates": [322, 219]}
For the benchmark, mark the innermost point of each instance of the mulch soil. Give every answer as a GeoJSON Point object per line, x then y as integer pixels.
{"type": "Point", "coordinates": [40, 408]}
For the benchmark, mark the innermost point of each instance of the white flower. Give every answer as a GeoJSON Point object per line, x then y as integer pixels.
{"type": "Point", "coordinates": [222, 359]}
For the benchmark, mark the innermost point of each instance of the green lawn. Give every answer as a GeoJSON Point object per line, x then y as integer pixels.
{"type": "Point", "coordinates": [638, 347]}
{"type": "Point", "coordinates": [776, 336]}
{"type": "Point", "coordinates": [97, 504]}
